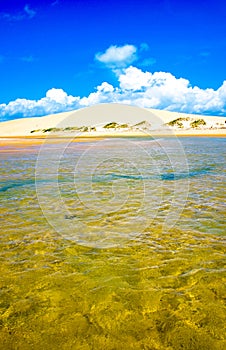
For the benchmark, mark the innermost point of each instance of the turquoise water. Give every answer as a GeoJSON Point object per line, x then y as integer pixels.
{"type": "Point", "coordinates": [115, 244]}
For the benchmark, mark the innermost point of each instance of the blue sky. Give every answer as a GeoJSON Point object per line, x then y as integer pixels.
{"type": "Point", "coordinates": [58, 55]}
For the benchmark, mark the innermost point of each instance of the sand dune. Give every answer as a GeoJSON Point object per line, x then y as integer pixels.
{"type": "Point", "coordinates": [128, 118]}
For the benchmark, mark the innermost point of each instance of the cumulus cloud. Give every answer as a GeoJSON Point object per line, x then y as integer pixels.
{"type": "Point", "coordinates": [118, 56]}
{"type": "Point", "coordinates": [159, 90]}
{"type": "Point", "coordinates": [56, 100]}
{"type": "Point", "coordinates": [133, 78]}
{"type": "Point", "coordinates": [164, 91]}
{"type": "Point", "coordinates": [103, 94]}
{"type": "Point", "coordinates": [58, 96]}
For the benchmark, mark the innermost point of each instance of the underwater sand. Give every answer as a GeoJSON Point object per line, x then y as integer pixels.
{"type": "Point", "coordinates": [113, 276]}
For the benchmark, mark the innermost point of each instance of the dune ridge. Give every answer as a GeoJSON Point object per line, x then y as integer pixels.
{"type": "Point", "coordinates": [114, 120]}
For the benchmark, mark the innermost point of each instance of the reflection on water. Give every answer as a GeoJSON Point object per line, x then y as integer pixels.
{"type": "Point", "coordinates": [158, 290]}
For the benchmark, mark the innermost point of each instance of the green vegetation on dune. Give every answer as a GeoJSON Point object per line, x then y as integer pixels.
{"type": "Point", "coordinates": [124, 126]}
{"type": "Point", "coordinates": [79, 128]}
{"type": "Point", "coordinates": [193, 124]}
{"type": "Point", "coordinates": [143, 125]}
{"type": "Point", "coordinates": [178, 122]}
{"type": "Point", "coordinates": [46, 130]}
{"type": "Point", "coordinates": [52, 130]}
{"type": "Point", "coordinates": [68, 128]}
{"type": "Point", "coordinates": [111, 125]}
{"type": "Point", "coordinates": [198, 122]}
{"type": "Point", "coordinates": [71, 128]}
{"type": "Point", "coordinates": [114, 125]}
{"type": "Point", "coordinates": [37, 130]}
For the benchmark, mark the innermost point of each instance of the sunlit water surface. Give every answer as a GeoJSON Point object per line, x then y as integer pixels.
{"type": "Point", "coordinates": [113, 276]}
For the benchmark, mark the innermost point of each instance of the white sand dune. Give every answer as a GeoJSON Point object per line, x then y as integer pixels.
{"type": "Point", "coordinates": [99, 115]}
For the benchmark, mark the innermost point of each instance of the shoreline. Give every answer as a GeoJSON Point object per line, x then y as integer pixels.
{"type": "Point", "coordinates": [39, 139]}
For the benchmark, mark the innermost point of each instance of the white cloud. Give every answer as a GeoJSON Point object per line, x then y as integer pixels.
{"type": "Point", "coordinates": [118, 56]}
{"type": "Point", "coordinates": [56, 100]}
{"type": "Point", "coordinates": [104, 93]}
{"type": "Point", "coordinates": [159, 90]}
{"type": "Point", "coordinates": [222, 91]}
{"type": "Point", "coordinates": [105, 87]}
{"type": "Point", "coordinates": [133, 78]}
{"type": "Point", "coordinates": [57, 95]}
{"type": "Point", "coordinates": [165, 91]}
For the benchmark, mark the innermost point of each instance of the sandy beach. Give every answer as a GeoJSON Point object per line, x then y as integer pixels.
{"type": "Point", "coordinates": [129, 121]}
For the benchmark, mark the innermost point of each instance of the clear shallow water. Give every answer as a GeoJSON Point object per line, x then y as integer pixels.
{"type": "Point", "coordinates": [112, 271]}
